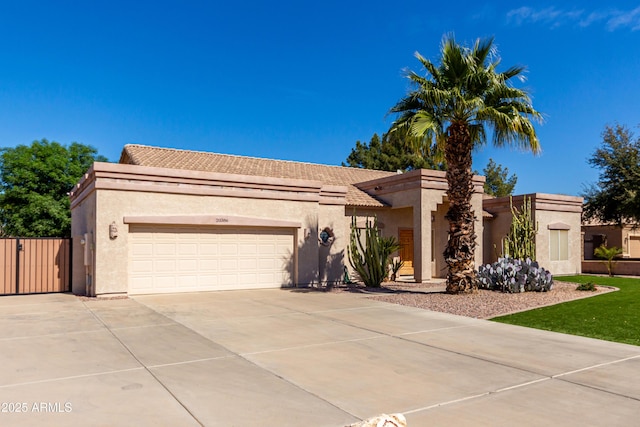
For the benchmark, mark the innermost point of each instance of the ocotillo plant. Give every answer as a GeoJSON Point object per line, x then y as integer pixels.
{"type": "Point", "coordinates": [520, 243]}
{"type": "Point", "coordinates": [370, 258]}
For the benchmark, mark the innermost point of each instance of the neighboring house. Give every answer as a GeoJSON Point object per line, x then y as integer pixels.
{"type": "Point", "coordinates": [165, 220]}
{"type": "Point", "coordinates": [626, 237]}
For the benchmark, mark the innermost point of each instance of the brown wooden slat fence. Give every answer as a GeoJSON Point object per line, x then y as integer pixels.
{"type": "Point", "coordinates": [35, 265]}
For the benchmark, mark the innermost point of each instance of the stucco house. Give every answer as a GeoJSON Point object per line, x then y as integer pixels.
{"type": "Point", "coordinates": [166, 220]}
{"type": "Point", "coordinates": [625, 237]}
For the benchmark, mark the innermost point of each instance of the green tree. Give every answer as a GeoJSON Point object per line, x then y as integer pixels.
{"type": "Point", "coordinates": [453, 107]}
{"type": "Point", "coordinates": [497, 183]}
{"type": "Point", "coordinates": [616, 196]}
{"type": "Point", "coordinates": [34, 184]}
{"type": "Point", "coordinates": [397, 150]}
{"type": "Point", "coordinates": [366, 156]}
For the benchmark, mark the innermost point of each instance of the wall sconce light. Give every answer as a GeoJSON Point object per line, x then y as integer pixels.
{"type": "Point", "coordinates": [326, 237]}
{"type": "Point", "coordinates": [113, 231]}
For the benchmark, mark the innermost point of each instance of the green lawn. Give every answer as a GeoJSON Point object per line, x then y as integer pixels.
{"type": "Point", "coordinates": [613, 316]}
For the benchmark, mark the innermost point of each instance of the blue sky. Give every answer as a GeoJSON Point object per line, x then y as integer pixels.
{"type": "Point", "coordinates": [304, 80]}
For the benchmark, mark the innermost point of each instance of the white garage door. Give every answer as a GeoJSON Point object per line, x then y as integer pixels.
{"type": "Point", "coordinates": [188, 259]}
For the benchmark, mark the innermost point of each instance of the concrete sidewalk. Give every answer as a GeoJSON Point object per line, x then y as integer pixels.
{"type": "Point", "coordinates": [295, 358]}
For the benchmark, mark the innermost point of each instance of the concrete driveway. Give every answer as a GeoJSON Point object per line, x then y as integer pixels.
{"type": "Point", "coordinates": [293, 358]}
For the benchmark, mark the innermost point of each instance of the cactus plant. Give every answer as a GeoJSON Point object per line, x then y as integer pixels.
{"type": "Point", "coordinates": [370, 258]}
{"type": "Point", "coordinates": [520, 243]}
{"type": "Point", "coordinates": [514, 275]}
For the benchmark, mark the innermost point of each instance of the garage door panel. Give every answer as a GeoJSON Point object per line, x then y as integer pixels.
{"type": "Point", "coordinates": [164, 266]}
{"type": "Point", "coordinates": [229, 249]}
{"type": "Point", "coordinates": [227, 265]}
{"type": "Point", "coordinates": [187, 281]}
{"type": "Point", "coordinates": [228, 279]}
{"type": "Point", "coordinates": [208, 249]}
{"type": "Point", "coordinates": [207, 280]}
{"type": "Point", "coordinates": [183, 233]}
{"type": "Point", "coordinates": [266, 278]}
{"type": "Point", "coordinates": [187, 265]}
{"type": "Point", "coordinates": [208, 264]}
{"type": "Point", "coordinates": [247, 249]}
{"type": "Point", "coordinates": [165, 249]}
{"type": "Point", "coordinates": [142, 266]}
{"type": "Point", "coordinates": [166, 282]}
{"type": "Point", "coordinates": [184, 259]}
{"type": "Point", "coordinates": [247, 279]}
{"type": "Point", "coordinates": [267, 248]}
{"type": "Point", "coordinates": [142, 248]}
{"type": "Point", "coordinates": [228, 235]}
{"type": "Point", "coordinates": [187, 248]}
{"type": "Point", "coordinates": [265, 264]}
{"type": "Point", "coordinates": [248, 264]}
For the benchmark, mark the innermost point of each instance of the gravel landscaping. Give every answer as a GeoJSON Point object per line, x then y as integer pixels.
{"type": "Point", "coordinates": [483, 304]}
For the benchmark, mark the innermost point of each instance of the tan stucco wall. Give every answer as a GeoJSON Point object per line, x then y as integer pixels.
{"type": "Point", "coordinates": [547, 209]}
{"type": "Point", "coordinates": [476, 203]}
{"type": "Point", "coordinates": [331, 258]}
{"type": "Point", "coordinates": [573, 264]}
{"type": "Point", "coordinates": [83, 221]}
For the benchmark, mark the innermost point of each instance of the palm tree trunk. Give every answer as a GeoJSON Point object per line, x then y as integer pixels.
{"type": "Point", "coordinates": [459, 253]}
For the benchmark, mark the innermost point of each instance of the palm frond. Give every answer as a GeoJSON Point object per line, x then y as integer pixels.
{"type": "Point", "coordinates": [465, 86]}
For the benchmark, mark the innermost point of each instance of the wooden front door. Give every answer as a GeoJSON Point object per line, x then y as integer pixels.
{"type": "Point", "coordinates": [405, 236]}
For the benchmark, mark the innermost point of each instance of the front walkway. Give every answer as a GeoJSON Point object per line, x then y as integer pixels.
{"type": "Point", "coordinates": [294, 358]}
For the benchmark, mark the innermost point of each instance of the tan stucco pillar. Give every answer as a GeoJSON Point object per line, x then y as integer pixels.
{"type": "Point", "coordinates": [478, 228]}
{"type": "Point", "coordinates": [422, 244]}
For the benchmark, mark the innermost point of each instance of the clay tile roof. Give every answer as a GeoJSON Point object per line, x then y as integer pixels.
{"type": "Point", "coordinates": [223, 163]}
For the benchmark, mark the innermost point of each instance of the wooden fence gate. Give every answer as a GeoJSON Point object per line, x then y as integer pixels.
{"type": "Point", "coordinates": [35, 265]}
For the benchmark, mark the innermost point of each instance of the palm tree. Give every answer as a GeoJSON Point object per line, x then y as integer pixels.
{"type": "Point", "coordinates": [453, 107]}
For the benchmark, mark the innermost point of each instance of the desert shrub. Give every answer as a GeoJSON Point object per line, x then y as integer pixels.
{"type": "Point", "coordinates": [587, 287]}
{"type": "Point", "coordinates": [514, 275]}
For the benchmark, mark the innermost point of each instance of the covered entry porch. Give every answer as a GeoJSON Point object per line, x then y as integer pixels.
{"type": "Point", "coordinates": [416, 217]}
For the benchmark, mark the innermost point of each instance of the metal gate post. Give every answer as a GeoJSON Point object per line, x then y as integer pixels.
{"type": "Point", "coordinates": [70, 265]}
{"type": "Point", "coordinates": [18, 247]}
